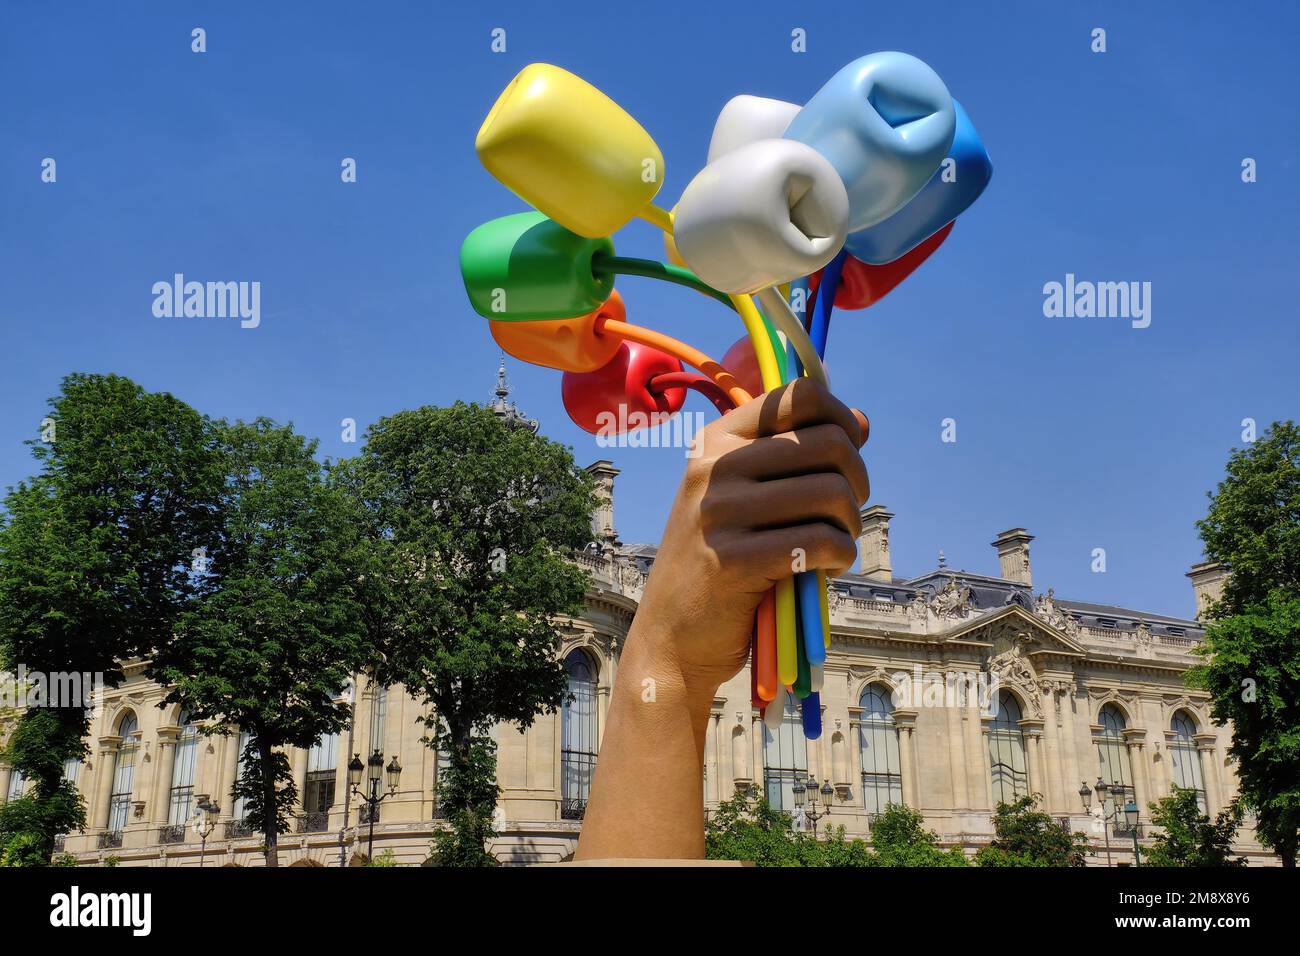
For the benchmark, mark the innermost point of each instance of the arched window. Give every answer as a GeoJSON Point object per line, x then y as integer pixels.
{"type": "Point", "coordinates": [1007, 751]}
{"type": "Point", "coordinates": [1112, 752]}
{"type": "Point", "coordinates": [119, 800]}
{"type": "Point", "coordinates": [578, 735]}
{"type": "Point", "coordinates": [183, 767]}
{"type": "Point", "coordinates": [785, 757]}
{"type": "Point", "coordinates": [882, 778]}
{"type": "Point", "coordinates": [1184, 758]}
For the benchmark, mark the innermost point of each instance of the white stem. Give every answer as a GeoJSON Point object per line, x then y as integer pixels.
{"type": "Point", "coordinates": [779, 311]}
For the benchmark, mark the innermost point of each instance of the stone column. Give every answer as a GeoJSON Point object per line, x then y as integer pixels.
{"type": "Point", "coordinates": [906, 723]}
{"type": "Point", "coordinates": [159, 799]}
{"type": "Point", "coordinates": [854, 744]}
{"type": "Point", "coordinates": [1052, 756]}
{"type": "Point", "coordinates": [1209, 771]}
{"type": "Point", "coordinates": [711, 761]}
{"type": "Point", "coordinates": [1134, 742]}
{"type": "Point", "coordinates": [102, 789]}
{"type": "Point", "coordinates": [986, 722]}
{"type": "Point", "coordinates": [977, 787]}
{"type": "Point", "coordinates": [229, 774]}
{"type": "Point", "coordinates": [298, 761]}
{"type": "Point", "coordinates": [956, 758]}
{"type": "Point", "coordinates": [1033, 731]}
{"type": "Point", "coordinates": [1070, 743]}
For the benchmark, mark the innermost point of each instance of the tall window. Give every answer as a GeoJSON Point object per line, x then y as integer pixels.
{"type": "Point", "coordinates": [17, 784]}
{"type": "Point", "coordinates": [322, 768]}
{"type": "Point", "coordinates": [1184, 758]}
{"type": "Point", "coordinates": [187, 756]}
{"type": "Point", "coordinates": [882, 779]}
{"type": "Point", "coordinates": [119, 801]}
{"type": "Point", "coordinates": [1007, 751]}
{"type": "Point", "coordinates": [578, 733]}
{"type": "Point", "coordinates": [785, 755]}
{"type": "Point", "coordinates": [1115, 768]}
{"type": "Point", "coordinates": [378, 715]}
{"type": "Point", "coordinates": [72, 770]}
{"type": "Point", "coordinates": [240, 805]}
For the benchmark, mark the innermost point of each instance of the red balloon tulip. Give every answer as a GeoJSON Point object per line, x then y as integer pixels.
{"type": "Point", "coordinates": [743, 365]}
{"type": "Point", "coordinates": [862, 284]}
{"type": "Point", "coordinates": [615, 397]}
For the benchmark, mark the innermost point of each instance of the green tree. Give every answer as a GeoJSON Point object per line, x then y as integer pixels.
{"type": "Point", "coordinates": [1252, 643]}
{"type": "Point", "coordinates": [1189, 837]}
{"type": "Point", "coordinates": [95, 555]}
{"type": "Point", "coordinates": [899, 838]}
{"type": "Point", "coordinates": [751, 830]}
{"type": "Point", "coordinates": [1025, 836]}
{"type": "Point", "coordinates": [471, 524]}
{"type": "Point", "coordinates": [271, 643]}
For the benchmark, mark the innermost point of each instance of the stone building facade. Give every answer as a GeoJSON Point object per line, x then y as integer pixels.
{"type": "Point", "coordinates": [1072, 693]}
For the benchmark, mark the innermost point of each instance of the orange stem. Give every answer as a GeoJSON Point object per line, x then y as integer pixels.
{"type": "Point", "coordinates": [688, 354]}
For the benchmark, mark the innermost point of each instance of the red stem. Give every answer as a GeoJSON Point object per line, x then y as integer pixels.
{"type": "Point", "coordinates": [700, 383]}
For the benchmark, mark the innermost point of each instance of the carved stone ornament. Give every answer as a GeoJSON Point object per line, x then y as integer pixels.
{"type": "Point", "coordinates": [953, 600]}
{"type": "Point", "coordinates": [1011, 668]}
{"type": "Point", "coordinates": [834, 597]}
{"type": "Point", "coordinates": [1054, 615]}
{"type": "Point", "coordinates": [1143, 634]}
{"type": "Point", "coordinates": [631, 577]}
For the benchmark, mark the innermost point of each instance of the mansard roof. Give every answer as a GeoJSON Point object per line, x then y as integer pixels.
{"type": "Point", "coordinates": [987, 593]}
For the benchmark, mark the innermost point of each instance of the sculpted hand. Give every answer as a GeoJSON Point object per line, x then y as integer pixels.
{"type": "Point", "coordinates": [775, 482]}
{"type": "Point", "coordinates": [776, 478]}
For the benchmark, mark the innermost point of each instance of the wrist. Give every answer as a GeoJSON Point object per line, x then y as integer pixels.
{"type": "Point", "coordinates": [655, 670]}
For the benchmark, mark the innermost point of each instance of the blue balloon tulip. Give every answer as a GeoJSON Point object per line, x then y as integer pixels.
{"type": "Point", "coordinates": [885, 122]}
{"type": "Point", "coordinates": [946, 196]}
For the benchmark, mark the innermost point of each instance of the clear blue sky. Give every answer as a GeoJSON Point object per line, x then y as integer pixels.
{"type": "Point", "coordinates": [1117, 166]}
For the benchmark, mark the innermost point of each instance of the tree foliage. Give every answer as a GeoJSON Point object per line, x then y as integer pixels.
{"type": "Point", "coordinates": [271, 642]}
{"type": "Point", "coordinates": [1025, 836]}
{"type": "Point", "coordinates": [471, 523]}
{"type": "Point", "coordinates": [1189, 837]}
{"type": "Point", "coordinates": [1251, 651]}
{"type": "Point", "coordinates": [899, 838]}
{"type": "Point", "coordinates": [94, 560]}
{"type": "Point", "coordinates": [749, 829]}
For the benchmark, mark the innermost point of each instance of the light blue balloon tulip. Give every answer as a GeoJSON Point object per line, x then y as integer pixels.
{"type": "Point", "coordinates": [946, 196]}
{"type": "Point", "coordinates": [885, 122]}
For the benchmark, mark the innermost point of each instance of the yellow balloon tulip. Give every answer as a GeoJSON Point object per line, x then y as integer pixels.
{"type": "Point", "coordinates": [570, 151]}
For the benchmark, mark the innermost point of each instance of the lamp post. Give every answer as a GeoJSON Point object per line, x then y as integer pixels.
{"type": "Point", "coordinates": [205, 821]}
{"type": "Point", "coordinates": [374, 771]}
{"type": "Point", "coordinates": [1111, 811]}
{"type": "Point", "coordinates": [811, 811]}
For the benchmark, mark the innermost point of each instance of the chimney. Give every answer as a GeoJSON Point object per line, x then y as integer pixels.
{"type": "Point", "coordinates": [602, 521]}
{"type": "Point", "coordinates": [873, 544]}
{"type": "Point", "coordinates": [1208, 579]}
{"type": "Point", "coordinates": [1013, 555]}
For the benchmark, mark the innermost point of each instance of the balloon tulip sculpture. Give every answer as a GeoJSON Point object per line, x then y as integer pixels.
{"type": "Point", "coordinates": [801, 208]}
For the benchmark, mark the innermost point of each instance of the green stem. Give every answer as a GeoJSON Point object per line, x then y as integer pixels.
{"type": "Point", "coordinates": [651, 269]}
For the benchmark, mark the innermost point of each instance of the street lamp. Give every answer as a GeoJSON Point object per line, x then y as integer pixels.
{"type": "Point", "coordinates": [811, 812]}
{"type": "Point", "coordinates": [373, 770]}
{"type": "Point", "coordinates": [1111, 811]}
{"type": "Point", "coordinates": [204, 823]}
